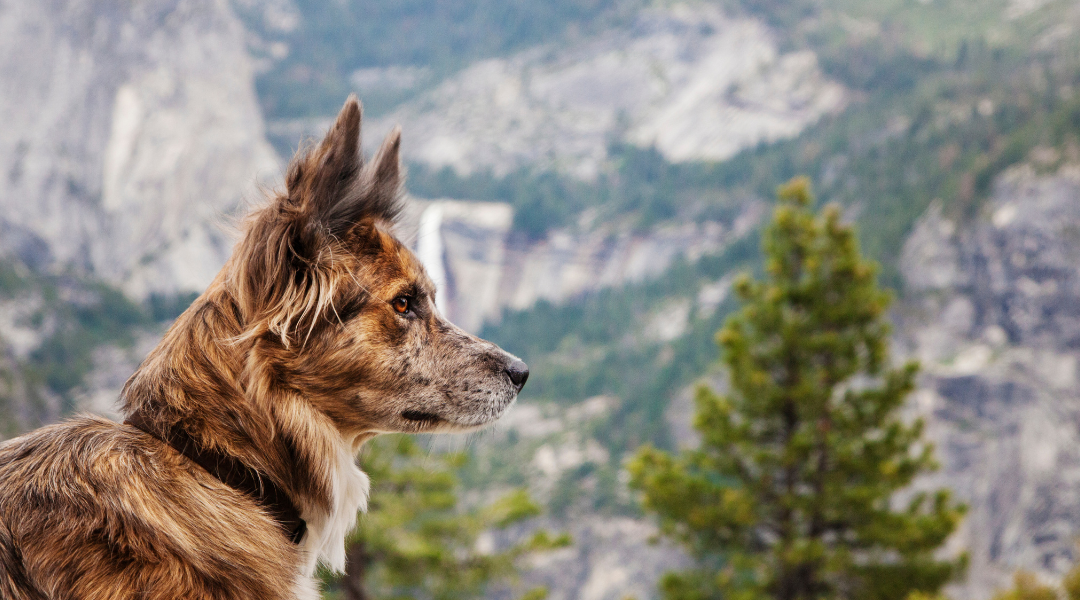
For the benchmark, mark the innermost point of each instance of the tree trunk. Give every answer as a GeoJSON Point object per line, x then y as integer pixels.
{"type": "Point", "coordinates": [357, 559]}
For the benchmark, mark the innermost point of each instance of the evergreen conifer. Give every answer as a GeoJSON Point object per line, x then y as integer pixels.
{"type": "Point", "coordinates": [798, 489]}
{"type": "Point", "coordinates": [415, 541]}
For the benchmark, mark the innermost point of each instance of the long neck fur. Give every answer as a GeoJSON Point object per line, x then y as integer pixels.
{"type": "Point", "coordinates": [226, 390]}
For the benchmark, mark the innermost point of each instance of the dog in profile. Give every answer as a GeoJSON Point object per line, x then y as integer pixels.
{"type": "Point", "coordinates": [234, 474]}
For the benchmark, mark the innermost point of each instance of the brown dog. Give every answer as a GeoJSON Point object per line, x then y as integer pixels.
{"type": "Point", "coordinates": [235, 475]}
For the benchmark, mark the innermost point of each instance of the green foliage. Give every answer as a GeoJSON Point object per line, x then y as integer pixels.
{"type": "Point", "coordinates": [535, 594]}
{"type": "Point", "coordinates": [928, 29]}
{"type": "Point", "coordinates": [790, 495]}
{"type": "Point", "coordinates": [66, 356]}
{"type": "Point", "coordinates": [1027, 587]}
{"type": "Point", "coordinates": [75, 317]}
{"type": "Point", "coordinates": [1071, 584]}
{"type": "Point", "coordinates": [415, 540]}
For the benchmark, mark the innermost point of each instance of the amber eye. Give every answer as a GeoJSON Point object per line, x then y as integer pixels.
{"type": "Point", "coordinates": [400, 304]}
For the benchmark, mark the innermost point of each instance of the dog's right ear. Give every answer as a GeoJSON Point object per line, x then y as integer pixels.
{"type": "Point", "coordinates": [317, 179]}
{"type": "Point", "coordinates": [331, 187]}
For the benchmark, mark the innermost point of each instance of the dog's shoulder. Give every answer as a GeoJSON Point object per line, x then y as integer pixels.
{"type": "Point", "coordinates": [89, 504]}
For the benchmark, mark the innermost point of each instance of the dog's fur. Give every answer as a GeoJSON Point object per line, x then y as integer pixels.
{"type": "Point", "coordinates": [293, 357]}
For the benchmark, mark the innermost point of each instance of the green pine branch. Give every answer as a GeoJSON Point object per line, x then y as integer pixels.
{"type": "Point", "coordinates": [793, 492]}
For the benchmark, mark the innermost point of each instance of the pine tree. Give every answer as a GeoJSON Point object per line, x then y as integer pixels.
{"type": "Point", "coordinates": [415, 541]}
{"type": "Point", "coordinates": [795, 491]}
{"type": "Point", "coordinates": [1026, 586]}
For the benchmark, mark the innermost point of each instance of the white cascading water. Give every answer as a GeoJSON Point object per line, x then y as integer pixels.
{"type": "Point", "coordinates": [429, 249]}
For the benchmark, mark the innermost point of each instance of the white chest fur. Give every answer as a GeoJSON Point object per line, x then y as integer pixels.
{"type": "Point", "coordinates": [325, 538]}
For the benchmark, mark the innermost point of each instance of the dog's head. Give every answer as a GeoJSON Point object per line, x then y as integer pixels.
{"type": "Point", "coordinates": [341, 312]}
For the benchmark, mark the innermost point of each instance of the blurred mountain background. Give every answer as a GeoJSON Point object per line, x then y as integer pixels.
{"type": "Point", "coordinates": [588, 177]}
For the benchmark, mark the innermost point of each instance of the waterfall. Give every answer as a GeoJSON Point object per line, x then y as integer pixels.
{"type": "Point", "coordinates": [429, 249]}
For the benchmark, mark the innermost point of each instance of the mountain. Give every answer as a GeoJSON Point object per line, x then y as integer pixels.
{"type": "Point", "coordinates": [695, 82]}
{"type": "Point", "coordinates": [992, 314]}
{"type": "Point", "coordinates": [132, 137]}
{"type": "Point", "coordinates": [482, 267]}
{"type": "Point", "coordinates": [957, 157]}
{"type": "Point", "coordinates": [132, 132]}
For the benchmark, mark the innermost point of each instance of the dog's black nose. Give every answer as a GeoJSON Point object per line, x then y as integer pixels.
{"type": "Point", "coordinates": [518, 372]}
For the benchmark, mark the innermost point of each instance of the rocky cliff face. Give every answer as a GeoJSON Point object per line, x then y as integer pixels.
{"type": "Point", "coordinates": [994, 315]}
{"type": "Point", "coordinates": [691, 80]}
{"type": "Point", "coordinates": [480, 267]}
{"type": "Point", "coordinates": [131, 133]}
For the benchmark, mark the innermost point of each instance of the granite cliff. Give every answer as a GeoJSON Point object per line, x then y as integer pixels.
{"type": "Point", "coordinates": [690, 79]}
{"type": "Point", "coordinates": [696, 83]}
{"type": "Point", "coordinates": [482, 267]}
{"type": "Point", "coordinates": [992, 311]}
{"type": "Point", "coordinates": [131, 134]}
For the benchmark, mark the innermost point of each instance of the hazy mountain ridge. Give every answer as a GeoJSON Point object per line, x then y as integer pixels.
{"type": "Point", "coordinates": [482, 267]}
{"type": "Point", "coordinates": [132, 134]}
{"type": "Point", "coordinates": [696, 83]}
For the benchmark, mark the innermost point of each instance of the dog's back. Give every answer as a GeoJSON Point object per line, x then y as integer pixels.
{"type": "Point", "coordinates": [93, 509]}
{"type": "Point", "coordinates": [14, 583]}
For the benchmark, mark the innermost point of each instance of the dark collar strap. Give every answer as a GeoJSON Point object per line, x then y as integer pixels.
{"type": "Point", "coordinates": [232, 473]}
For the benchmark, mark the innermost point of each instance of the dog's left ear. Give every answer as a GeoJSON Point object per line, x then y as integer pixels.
{"type": "Point", "coordinates": [332, 186]}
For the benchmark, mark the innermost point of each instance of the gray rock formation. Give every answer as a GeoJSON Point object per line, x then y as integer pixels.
{"type": "Point", "coordinates": [612, 559]}
{"type": "Point", "coordinates": [132, 132]}
{"type": "Point", "coordinates": [993, 313]}
{"type": "Point", "coordinates": [480, 268]}
{"type": "Point", "coordinates": [463, 246]}
{"type": "Point", "coordinates": [691, 80]}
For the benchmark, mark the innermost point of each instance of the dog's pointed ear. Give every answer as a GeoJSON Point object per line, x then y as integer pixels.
{"type": "Point", "coordinates": [332, 201]}
{"type": "Point", "coordinates": [319, 179]}
{"type": "Point", "coordinates": [377, 193]}
{"type": "Point", "coordinates": [332, 188]}
{"type": "Point", "coordinates": [386, 168]}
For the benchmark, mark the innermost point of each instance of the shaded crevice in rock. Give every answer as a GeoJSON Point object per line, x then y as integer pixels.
{"type": "Point", "coordinates": [992, 310]}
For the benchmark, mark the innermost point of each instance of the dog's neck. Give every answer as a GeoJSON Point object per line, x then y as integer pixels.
{"type": "Point", "coordinates": [227, 469]}
{"type": "Point", "coordinates": [228, 398]}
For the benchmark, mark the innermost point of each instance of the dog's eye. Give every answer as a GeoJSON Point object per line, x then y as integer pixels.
{"type": "Point", "coordinates": [401, 304]}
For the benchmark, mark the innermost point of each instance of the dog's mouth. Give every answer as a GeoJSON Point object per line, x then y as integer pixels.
{"type": "Point", "coordinates": [456, 420]}
{"type": "Point", "coordinates": [420, 416]}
